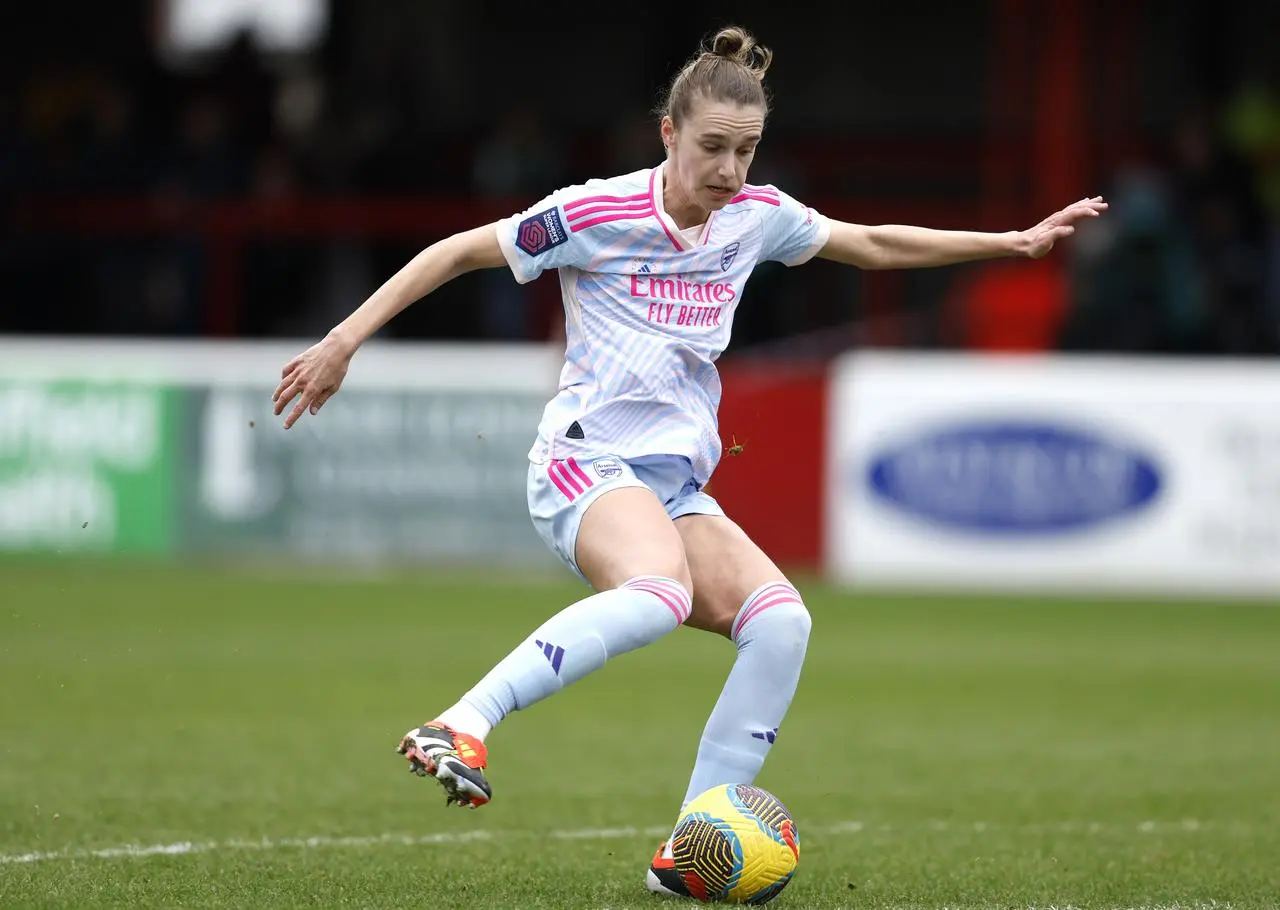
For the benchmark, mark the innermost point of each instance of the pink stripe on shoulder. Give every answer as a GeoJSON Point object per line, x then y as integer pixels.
{"type": "Point", "coordinates": [757, 197]}
{"type": "Point", "coordinates": [639, 205]}
{"type": "Point", "coordinates": [765, 190]}
{"type": "Point", "coordinates": [585, 200]}
{"type": "Point", "coordinates": [616, 216]}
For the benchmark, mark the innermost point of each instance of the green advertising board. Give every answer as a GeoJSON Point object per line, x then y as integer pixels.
{"type": "Point", "coordinates": [85, 466]}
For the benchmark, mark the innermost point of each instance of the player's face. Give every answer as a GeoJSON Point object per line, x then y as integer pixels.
{"type": "Point", "coordinates": [712, 149]}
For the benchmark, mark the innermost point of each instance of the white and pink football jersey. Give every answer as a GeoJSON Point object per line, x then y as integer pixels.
{"type": "Point", "coordinates": [648, 309]}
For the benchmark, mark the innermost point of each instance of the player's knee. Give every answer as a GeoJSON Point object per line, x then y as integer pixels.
{"type": "Point", "coordinates": [782, 625]}
{"type": "Point", "coordinates": [791, 625]}
{"type": "Point", "coordinates": [669, 591]}
{"type": "Point", "coordinates": [675, 568]}
{"type": "Point", "coordinates": [669, 566]}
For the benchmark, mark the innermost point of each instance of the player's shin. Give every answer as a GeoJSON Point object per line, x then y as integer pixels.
{"type": "Point", "coordinates": [579, 640]}
{"type": "Point", "coordinates": [772, 634]}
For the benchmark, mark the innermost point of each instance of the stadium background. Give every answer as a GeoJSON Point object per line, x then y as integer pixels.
{"type": "Point", "coordinates": [964, 466]}
{"type": "Point", "coordinates": [174, 176]}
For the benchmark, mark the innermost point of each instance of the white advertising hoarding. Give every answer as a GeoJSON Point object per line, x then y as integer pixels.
{"type": "Point", "coordinates": [1046, 473]}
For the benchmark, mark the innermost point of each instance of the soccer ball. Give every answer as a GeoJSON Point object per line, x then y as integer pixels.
{"type": "Point", "coordinates": [737, 844]}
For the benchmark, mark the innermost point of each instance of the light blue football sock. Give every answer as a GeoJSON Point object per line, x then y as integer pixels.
{"type": "Point", "coordinates": [575, 642]}
{"type": "Point", "coordinates": [772, 635]}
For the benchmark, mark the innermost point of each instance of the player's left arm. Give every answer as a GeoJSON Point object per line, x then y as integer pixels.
{"type": "Point", "coordinates": [900, 246]}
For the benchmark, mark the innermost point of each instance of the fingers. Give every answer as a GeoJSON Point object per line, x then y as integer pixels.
{"type": "Point", "coordinates": [1093, 204]}
{"type": "Point", "coordinates": [297, 412]}
{"type": "Point", "coordinates": [287, 391]}
{"type": "Point", "coordinates": [311, 400]}
{"type": "Point", "coordinates": [285, 376]}
{"type": "Point", "coordinates": [283, 394]}
{"type": "Point", "coordinates": [1078, 211]}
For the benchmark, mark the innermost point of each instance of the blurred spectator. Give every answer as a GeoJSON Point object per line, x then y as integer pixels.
{"type": "Point", "coordinates": [1253, 124]}
{"type": "Point", "coordinates": [1137, 283]}
{"type": "Point", "coordinates": [397, 101]}
{"type": "Point", "coordinates": [518, 161]}
{"type": "Point", "coordinates": [116, 160]}
{"type": "Point", "coordinates": [203, 161]}
{"type": "Point", "coordinates": [634, 144]}
{"type": "Point", "coordinates": [1216, 196]}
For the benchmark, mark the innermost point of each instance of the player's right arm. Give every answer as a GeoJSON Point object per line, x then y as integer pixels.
{"type": "Point", "coordinates": [561, 230]}
{"type": "Point", "coordinates": [438, 264]}
{"type": "Point", "coordinates": [316, 374]}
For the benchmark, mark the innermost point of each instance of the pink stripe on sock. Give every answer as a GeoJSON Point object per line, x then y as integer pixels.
{"type": "Point", "coordinates": [663, 582]}
{"type": "Point", "coordinates": [551, 472]}
{"type": "Point", "coordinates": [674, 604]}
{"type": "Point", "coordinates": [760, 607]}
{"type": "Point", "coordinates": [769, 597]}
{"type": "Point", "coordinates": [673, 607]}
{"type": "Point", "coordinates": [567, 477]}
{"type": "Point", "coordinates": [582, 475]}
{"type": "Point", "coordinates": [673, 590]}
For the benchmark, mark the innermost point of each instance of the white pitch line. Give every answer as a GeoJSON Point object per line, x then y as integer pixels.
{"type": "Point", "coordinates": [451, 837]}
{"type": "Point", "coordinates": [184, 847]}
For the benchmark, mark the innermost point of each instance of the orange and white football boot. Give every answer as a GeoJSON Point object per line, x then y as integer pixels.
{"type": "Point", "coordinates": [663, 877]}
{"type": "Point", "coordinates": [457, 760]}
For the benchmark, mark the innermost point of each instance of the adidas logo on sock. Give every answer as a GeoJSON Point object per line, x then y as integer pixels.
{"type": "Point", "coordinates": [554, 654]}
{"type": "Point", "coordinates": [767, 735]}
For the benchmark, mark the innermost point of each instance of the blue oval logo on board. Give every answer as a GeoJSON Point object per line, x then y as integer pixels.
{"type": "Point", "coordinates": [1015, 478]}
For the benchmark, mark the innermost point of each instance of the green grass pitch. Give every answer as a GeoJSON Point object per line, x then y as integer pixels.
{"type": "Point", "coordinates": [219, 738]}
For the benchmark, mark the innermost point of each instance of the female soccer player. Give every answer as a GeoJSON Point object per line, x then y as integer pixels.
{"type": "Point", "coordinates": [652, 265]}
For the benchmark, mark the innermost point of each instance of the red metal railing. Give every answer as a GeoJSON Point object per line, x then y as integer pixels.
{"type": "Point", "coordinates": [227, 226]}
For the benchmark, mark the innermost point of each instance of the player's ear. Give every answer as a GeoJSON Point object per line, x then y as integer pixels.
{"type": "Point", "coordinates": [668, 132]}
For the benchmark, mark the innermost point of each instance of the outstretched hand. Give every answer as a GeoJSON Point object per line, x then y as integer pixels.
{"type": "Point", "coordinates": [1038, 241]}
{"type": "Point", "coordinates": [313, 377]}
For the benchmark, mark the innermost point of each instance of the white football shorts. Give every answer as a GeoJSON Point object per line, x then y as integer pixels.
{"type": "Point", "coordinates": [561, 490]}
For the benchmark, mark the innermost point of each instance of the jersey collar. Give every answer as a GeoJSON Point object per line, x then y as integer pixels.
{"type": "Point", "coordinates": [668, 225]}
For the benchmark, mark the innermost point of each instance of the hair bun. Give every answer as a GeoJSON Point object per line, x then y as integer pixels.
{"type": "Point", "coordinates": [728, 67]}
{"type": "Point", "coordinates": [731, 42]}
{"type": "Point", "coordinates": [736, 44]}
